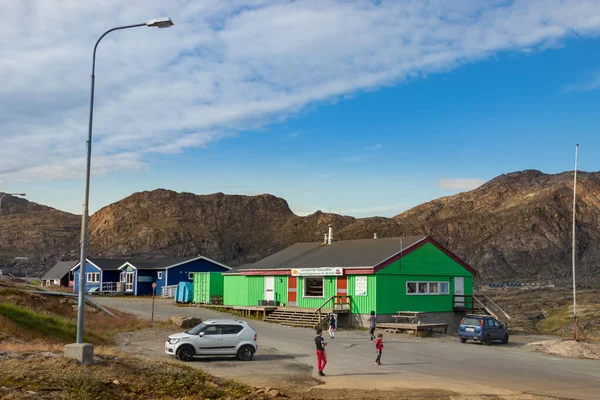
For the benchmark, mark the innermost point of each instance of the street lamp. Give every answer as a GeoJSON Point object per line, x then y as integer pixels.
{"type": "Point", "coordinates": [9, 194]}
{"type": "Point", "coordinates": [85, 355]}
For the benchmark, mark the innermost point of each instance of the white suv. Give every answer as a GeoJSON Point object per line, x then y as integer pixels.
{"type": "Point", "coordinates": [214, 337]}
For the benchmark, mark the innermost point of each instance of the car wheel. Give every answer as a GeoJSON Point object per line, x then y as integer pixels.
{"type": "Point", "coordinates": [245, 353]}
{"type": "Point", "coordinates": [487, 340]}
{"type": "Point", "coordinates": [505, 339]}
{"type": "Point", "coordinates": [463, 340]}
{"type": "Point", "coordinates": [185, 353]}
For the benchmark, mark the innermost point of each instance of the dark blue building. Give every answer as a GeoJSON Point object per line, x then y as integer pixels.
{"type": "Point", "coordinates": [135, 276]}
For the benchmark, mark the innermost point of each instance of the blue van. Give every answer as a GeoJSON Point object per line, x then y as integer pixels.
{"type": "Point", "coordinates": [482, 328]}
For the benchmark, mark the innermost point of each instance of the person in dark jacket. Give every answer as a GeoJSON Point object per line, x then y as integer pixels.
{"type": "Point", "coordinates": [332, 324]}
{"type": "Point", "coordinates": [321, 356]}
{"type": "Point", "coordinates": [372, 325]}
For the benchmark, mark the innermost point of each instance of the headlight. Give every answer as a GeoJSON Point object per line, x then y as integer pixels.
{"type": "Point", "coordinates": [173, 340]}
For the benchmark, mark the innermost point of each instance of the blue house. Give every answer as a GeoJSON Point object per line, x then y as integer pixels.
{"type": "Point", "coordinates": [135, 276]}
{"type": "Point", "coordinates": [138, 275]}
{"type": "Point", "coordinates": [102, 275]}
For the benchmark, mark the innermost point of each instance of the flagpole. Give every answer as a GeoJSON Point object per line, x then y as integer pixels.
{"type": "Point", "coordinates": [574, 243]}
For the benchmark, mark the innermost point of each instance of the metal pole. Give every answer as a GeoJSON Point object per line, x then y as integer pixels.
{"type": "Point", "coordinates": [1, 202]}
{"type": "Point", "coordinates": [86, 196]}
{"type": "Point", "coordinates": [153, 291]}
{"type": "Point", "coordinates": [574, 243]}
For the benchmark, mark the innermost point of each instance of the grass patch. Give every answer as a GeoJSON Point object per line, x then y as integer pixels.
{"type": "Point", "coordinates": [123, 378]}
{"type": "Point", "coordinates": [21, 321]}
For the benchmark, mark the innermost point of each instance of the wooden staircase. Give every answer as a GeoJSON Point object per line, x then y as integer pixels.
{"type": "Point", "coordinates": [308, 318]}
{"type": "Point", "coordinates": [297, 318]}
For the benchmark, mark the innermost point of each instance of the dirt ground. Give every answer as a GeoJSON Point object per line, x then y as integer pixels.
{"type": "Point", "coordinates": [293, 376]}
{"type": "Point", "coordinates": [568, 348]}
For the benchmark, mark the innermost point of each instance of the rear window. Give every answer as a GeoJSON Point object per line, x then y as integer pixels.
{"type": "Point", "coordinates": [471, 321]}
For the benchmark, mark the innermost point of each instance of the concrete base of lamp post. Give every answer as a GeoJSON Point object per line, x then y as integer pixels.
{"type": "Point", "coordinates": [82, 352]}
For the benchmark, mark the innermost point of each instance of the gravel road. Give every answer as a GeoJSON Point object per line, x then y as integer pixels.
{"type": "Point", "coordinates": [286, 356]}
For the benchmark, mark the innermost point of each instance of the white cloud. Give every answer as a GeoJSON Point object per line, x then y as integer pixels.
{"type": "Point", "coordinates": [591, 84]}
{"type": "Point", "coordinates": [228, 66]}
{"type": "Point", "coordinates": [374, 147]}
{"type": "Point", "coordinates": [460, 183]}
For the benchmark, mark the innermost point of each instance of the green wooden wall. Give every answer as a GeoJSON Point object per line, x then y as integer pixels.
{"type": "Point", "coordinates": [426, 260]}
{"type": "Point", "coordinates": [235, 291]}
{"type": "Point", "coordinates": [329, 288]}
{"type": "Point", "coordinates": [392, 297]}
{"type": "Point", "coordinates": [281, 289]}
{"type": "Point", "coordinates": [363, 304]}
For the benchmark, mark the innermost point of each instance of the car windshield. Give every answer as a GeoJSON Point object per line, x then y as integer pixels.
{"type": "Point", "coordinates": [197, 329]}
{"type": "Point", "coordinates": [471, 321]}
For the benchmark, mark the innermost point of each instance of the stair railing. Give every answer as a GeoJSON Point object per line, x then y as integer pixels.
{"type": "Point", "coordinates": [485, 304]}
{"type": "Point", "coordinates": [340, 302]}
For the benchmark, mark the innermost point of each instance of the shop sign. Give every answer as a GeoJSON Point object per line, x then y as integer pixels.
{"type": "Point", "coordinates": [360, 286]}
{"type": "Point", "coordinates": [317, 271]}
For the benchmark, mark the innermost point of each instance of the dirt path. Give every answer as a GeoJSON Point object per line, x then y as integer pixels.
{"type": "Point", "coordinates": [286, 357]}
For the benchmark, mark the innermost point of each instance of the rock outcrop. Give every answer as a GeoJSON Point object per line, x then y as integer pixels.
{"type": "Point", "coordinates": [517, 225]}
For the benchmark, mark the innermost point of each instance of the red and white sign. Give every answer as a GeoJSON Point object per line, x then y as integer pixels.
{"type": "Point", "coordinates": [318, 271]}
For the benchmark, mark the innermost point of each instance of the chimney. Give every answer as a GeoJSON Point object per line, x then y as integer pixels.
{"type": "Point", "coordinates": [325, 239]}
{"type": "Point", "coordinates": [330, 235]}
{"type": "Point", "coordinates": [374, 235]}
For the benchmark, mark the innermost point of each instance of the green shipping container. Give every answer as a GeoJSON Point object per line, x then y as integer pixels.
{"type": "Point", "coordinates": [208, 287]}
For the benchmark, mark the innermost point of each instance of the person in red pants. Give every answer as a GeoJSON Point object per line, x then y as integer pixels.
{"type": "Point", "coordinates": [321, 356]}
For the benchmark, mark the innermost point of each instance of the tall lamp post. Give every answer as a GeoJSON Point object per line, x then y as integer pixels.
{"type": "Point", "coordinates": [9, 194]}
{"type": "Point", "coordinates": [84, 351]}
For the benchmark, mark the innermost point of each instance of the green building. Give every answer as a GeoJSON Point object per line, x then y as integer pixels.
{"type": "Point", "coordinates": [413, 273]}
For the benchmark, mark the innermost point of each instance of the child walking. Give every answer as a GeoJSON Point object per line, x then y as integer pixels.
{"type": "Point", "coordinates": [379, 347]}
{"type": "Point", "coordinates": [321, 356]}
{"type": "Point", "coordinates": [332, 326]}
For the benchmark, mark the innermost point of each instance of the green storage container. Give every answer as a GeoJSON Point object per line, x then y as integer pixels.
{"type": "Point", "coordinates": [208, 287]}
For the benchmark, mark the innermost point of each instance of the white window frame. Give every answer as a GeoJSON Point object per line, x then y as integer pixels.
{"type": "Point", "coordinates": [159, 275]}
{"type": "Point", "coordinates": [93, 277]}
{"type": "Point", "coordinates": [428, 293]}
{"type": "Point", "coordinates": [304, 287]}
{"type": "Point", "coordinates": [190, 276]}
{"type": "Point", "coordinates": [447, 284]}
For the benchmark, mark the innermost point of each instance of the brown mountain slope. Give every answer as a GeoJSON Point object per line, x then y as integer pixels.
{"type": "Point", "coordinates": [31, 230]}
{"type": "Point", "coordinates": [516, 225]}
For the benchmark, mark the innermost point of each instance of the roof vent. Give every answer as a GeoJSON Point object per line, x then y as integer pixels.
{"type": "Point", "coordinates": [330, 235]}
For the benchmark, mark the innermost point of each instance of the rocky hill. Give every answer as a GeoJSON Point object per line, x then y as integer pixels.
{"type": "Point", "coordinates": [41, 233]}
{"type": "Point", "coordinates": [517, 225]}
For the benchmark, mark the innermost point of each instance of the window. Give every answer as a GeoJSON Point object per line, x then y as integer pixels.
{"type": "Point", "coordinates": [313, 287]}
{"type": "Point", "coordinates": [232, 329]}
{"type": "Point", "coordinates": [159, 275]}
{"type": "Point", "coordinates": [433, 288]}
{"type": "Point", "coordinates": [190, 276]}
{"type": "Point", "coordinates": [444, 288]}
{"type": "Point", "coordinates": [93, 277]}
{"type": "Point", "coordinates": [213, 330]}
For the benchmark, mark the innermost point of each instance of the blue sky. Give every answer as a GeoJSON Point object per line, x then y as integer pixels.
{"type": "Point", "coordinates": [328, 105]}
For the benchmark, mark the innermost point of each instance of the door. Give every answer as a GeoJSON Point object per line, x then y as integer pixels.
{"type": "Point", "coordinates": [210, 340]}
{"type": "Point", "coordinates": [230, 338]}
{"type": "Point", "coordinates": [497, 332]}
{"type": "Point", "coordinates": [129, 281]}
{"type": "Point", "coordinates": [292, 291]}
{"type": "Point", "coordinates": [459, 289]}
{"type": "Point", "coordinates": [269, 288]}
{"type": "Point", "coordinates": [342, 290]}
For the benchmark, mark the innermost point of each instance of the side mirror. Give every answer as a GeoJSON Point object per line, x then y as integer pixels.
{"type": "Point", "coordinates": [201, 334]}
